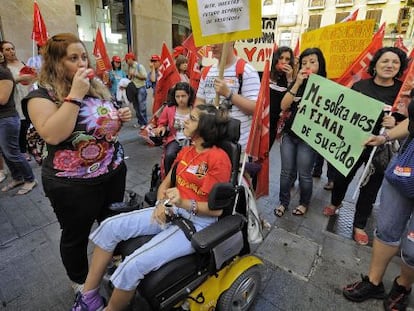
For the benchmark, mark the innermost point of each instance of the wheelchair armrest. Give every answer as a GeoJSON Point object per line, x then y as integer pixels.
{"type": "Point", "coordinates": [203, 241]}
{"type": "Point", "coordinates": [222, 196]}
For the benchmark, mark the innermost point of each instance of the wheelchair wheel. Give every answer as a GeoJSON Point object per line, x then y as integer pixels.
{"type": "Point", "coordinates": [242, 292]}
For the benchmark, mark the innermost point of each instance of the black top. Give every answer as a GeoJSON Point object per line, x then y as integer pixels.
{"type": "Point", "coordinates": [9, 109]}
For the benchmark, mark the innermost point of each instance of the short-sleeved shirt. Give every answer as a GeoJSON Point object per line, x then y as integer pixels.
{"type": "Point", "coordinates": [250, 90]}
{"type": "Point", "coordinates": [197, 173]}
{"type": "Point", "coordinates": [134, 69]}
{"type": "Point", "coordinates": [9, 109]}
{"type": "Point", "coordinates": [93, 151]}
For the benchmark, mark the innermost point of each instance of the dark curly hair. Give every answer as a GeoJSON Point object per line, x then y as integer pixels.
{"type": "Point", "coordinates": [181, 86]}
{"type": "Point", "coordinates": [401, 55]}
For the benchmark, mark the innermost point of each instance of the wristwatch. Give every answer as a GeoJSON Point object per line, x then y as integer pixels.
{"type": "Point", "coordinates": [228, 98]}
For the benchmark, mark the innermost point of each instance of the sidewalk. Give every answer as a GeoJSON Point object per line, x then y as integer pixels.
{"type": "Point", "coordinates": [306, 265]}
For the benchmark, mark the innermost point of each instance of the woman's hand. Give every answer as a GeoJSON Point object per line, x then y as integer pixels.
{"type": "Point", "coordinates": [375, 140]}
{"type": "Point", "coordinates": [174, 196]}
{"type": "Point", "coordinates": [159, 131]}
{"type": "Point", "coordinates": [388, 121]}
{"type": "Point", "coordinates": [288, 70]}
{"type": "Point", "coordinates": [80, 83]}
{"type": "Point", "coordinates": [125, 114]}
{"type": "Point", "coordinates": [159, 215]}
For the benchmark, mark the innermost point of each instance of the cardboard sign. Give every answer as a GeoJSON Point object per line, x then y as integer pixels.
{"type": "Point", "coordinates": [218, 21]}
{"type": "Point", "coordinates": [340, 43]}
{"type": "Point", "coordinates": [335, 121]}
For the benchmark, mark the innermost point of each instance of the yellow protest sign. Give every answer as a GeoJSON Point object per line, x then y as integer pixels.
{"type": "Point", "coordinates": [340, 43]}
{"type": "Point", "coordinates": [218, 21]}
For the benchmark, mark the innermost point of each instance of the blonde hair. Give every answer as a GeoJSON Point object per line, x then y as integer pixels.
{"type": "Point", "coordinates": [53, 73]}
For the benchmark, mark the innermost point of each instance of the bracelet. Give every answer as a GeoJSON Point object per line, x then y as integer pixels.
{"type": "Point", "coordinates": [291, 93]}
{"type": "Point", "coordinates": [193, 209]}
{"type": "Point", "coordinates": [76, 101]}
{"type": "Point", "coordinates": [386, 136]}
{"type": "Point", "coordinates": [230, 96]}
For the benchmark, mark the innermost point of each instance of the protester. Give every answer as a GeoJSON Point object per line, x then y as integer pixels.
{"type": "Point", "coordinates": [20, 170]}
{"type": "Point", "coordinates": [172, 120]}
{"type": "Point", "coordinates": [181, 63]}
{"type": "Point", "coordinates": [394, 218]}
{"type": "Point", "coordinates": [239, 94]}
{"type": "Point", "coordinates": [385, 67]}
{"type": "Point", "coordinates": [155, 63]}
{"type": "Point", "coordinates": [281, 75]}
{"type": "Point", "coordinates": [199, 167]}
{"type": "Point", "coordinates": [84, 170]}
{"type": "Point", "coordinates": [296, 155]}
{"type": "Point", "coordinates": [23, 82]}
{"type": "Point", "coordinates": [116, 74]}
{"type": "Point", "coordinates": [137, 74]}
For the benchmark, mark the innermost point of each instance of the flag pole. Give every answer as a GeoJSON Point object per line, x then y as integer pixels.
{"type": "Point", "coordinates": [223, 60]}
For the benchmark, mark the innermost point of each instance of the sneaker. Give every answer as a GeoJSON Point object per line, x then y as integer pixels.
{"type": "Point", "coordinates": [89, 301]}
{"type": "Point", "coordinates": [363, 290]}
{"type": "Point", "coordinates": [397, 299]}
{"type": "Point", "coordinates": [77, 287]}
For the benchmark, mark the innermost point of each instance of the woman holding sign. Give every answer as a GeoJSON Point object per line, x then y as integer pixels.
{"type": "Point", "coordinates": [296, 155]}
{"type": "Point", "coordinates": [385, 67]}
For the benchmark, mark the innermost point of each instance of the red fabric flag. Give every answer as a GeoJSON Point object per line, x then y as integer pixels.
{"type": "Point", "coordinates": [99, 51]}
{"type": "Point", "coordinates": [258, 143]}
{"type": "Point", "coordinates": [399, 43]}
{"type": "Point", "coordinates": [193, 69]}
{"type": "Point", "coordinates": [403, 98]}
{"type": "Point", "coordinates": [168, 76]}
{"type": "Point", "coordinates": [296, 51]}
{"type": "Point", "coordinates": [410, 60]}
{"type": "Point", "coordinates": [351, 17]}
{"type": "Point", "coordinates": [189, 44]}
{"type": "Point", "coordinates": [39, 32]}
{"type": "Point", "coordinates": [358, 69]}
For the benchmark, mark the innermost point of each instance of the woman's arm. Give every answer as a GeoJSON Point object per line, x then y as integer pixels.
{"type": "Point", "coordinates": [399, 131]}
{"type": "Point", "coordinates": [6, 89]}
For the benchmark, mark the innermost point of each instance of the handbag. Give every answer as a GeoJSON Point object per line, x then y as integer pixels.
{"type": "Point", "coordinates": [254, 223]}
{"type": "Point", "coordinates": [400, 172]}
{"type": "Point", "coordinates": [384, 154]}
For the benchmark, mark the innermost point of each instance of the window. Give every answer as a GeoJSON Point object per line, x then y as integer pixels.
{"type": "Point", "coordinates": [316, 4]}
{"type": "Point", "coordinates": [341, 3]}
{"type": "Point", "coordinates": [403, 19]}
{"type": "Point", "coordinates": [375, 15]}
{"type": "Point", "coordinates": [341, 16]}
{"type": "Point", "coordinates": [285, 38]}
{"type": "Point", "coordinates": [314, 22]}
{"type": "Point", "coordinates": [289, 1]}
{"type": "Point", "coordinates": [376, 1]}
{"type": "Point", "coordinates": [268, 2]}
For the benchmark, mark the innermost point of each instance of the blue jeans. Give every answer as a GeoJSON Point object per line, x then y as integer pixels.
{"type": "Point", "coordinates": [297, 157]}
{"type": "Point", "coordinates": [141, 106]}
{"type": "Point", "coordinates": [9, 145]}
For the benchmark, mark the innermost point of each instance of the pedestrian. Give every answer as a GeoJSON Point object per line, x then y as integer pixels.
{"type": "Point", "coordinates": [84, 170]}
{"type": "Point", "coordinates": [385, 67]}
{"type": "Point", "coordinates": [172, 120]}
{"type": "Point", "coordinates": [136, 73]}
{"type": "Point", "coordinates": [23, 82]}
{"type": "Point", "coordinates": [393, 235]}
{"type": "Point", "coordinates": [20, 170]}
{"type": "Point", "coordinates": [152, 77]}
{"type": "Point", "coordinates": [281, 75]}
{"type": "Point", "coordinates": [199, 167]}
{"type": "Point", "coordinates": [238, 89]}
{"type": "Point", "coordinates": [297, 156]}
{"type": "Point", "coordinates": [116, 74]}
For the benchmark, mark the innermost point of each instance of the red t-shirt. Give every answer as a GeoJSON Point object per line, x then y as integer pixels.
{"type": "Point", "coordinates": [197, 173]}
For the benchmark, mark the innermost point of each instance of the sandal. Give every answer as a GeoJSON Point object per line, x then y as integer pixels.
{"type": "Point", "coordinates": [360, 237]}
{"type": "Point", "coordinates": [13, 184]}
{"type": "Point", "coordinates": [27, 187]}
{"type": "Point", "coordinates": [280, 211]}
{"type": "Point", "coordinates": [300, 210]}
{"type": "Point", "coordinates": [330, 210]}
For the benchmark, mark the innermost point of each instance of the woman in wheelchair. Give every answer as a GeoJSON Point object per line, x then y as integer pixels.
{"type": "Point", "coordinates": [199, 167]}
{"type": "Point", "coordinates": [172, 118]}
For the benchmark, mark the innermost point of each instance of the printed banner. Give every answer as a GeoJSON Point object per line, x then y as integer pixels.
{"type": "Point", "coordinates": [340, 43]}
{"type": "Point", "coordinates": [335, 121]}
{"type": "Point", "coordinates": [218, 21]}
{"type": "Point", "coordinates": [257, 51]}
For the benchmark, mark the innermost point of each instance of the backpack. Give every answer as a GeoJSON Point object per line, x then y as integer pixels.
{"type": "Point", "coordinates": [239, 72]}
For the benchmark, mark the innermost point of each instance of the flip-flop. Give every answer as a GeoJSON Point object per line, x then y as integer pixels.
{"type": "Point", "coordinates": [280, 211]}
{"type": "Point", "coordinates": [300, 210]}
{"type": "Point", "coordinates": [13, 184]}
{"type": "Point", "coordinates": [361, 237]}
{"type": "Point", "coordinates": [27, 187]}
{"type": "Point", "coordinates": [330, 210]}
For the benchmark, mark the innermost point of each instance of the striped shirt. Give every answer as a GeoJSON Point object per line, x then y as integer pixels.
{"type": "Point", "coordinates": [250, 90]}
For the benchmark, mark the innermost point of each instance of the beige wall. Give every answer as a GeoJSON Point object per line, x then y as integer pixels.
{"type": "Point", "coordinates": [152, 25]}
{"type": "Point", "coordinates": [17, 21]}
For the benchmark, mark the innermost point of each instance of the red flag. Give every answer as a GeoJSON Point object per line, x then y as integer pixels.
{"type": "Point", "coordinates": [193, 69]}
{"type": "Point", "coordinates": [99, 51]}
{"type": "Point", "coordinates": [358, 69]}
{"type": "Point", "coordinates": [410, 60]}
{"type": "Point", "coordinates": [168, 76]}
{"type": "Point", "coordinates": [39, 32]}
{"type": "Point", "coordinates": [399, 43]}
{"type": "Point", "coordinates": [403, 98]}
{"type": "Point", "coordinates": [296, 51]}
{"type": "Point", "coordinates": [351, 17]}
{"type": "Point", "coordinates": [258, 143]}
{"type": "Point", "coordinates": [189, 44]}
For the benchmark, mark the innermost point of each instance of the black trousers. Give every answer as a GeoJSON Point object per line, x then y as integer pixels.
{"type": "Point", "coordinates": [77, 206]}
{"type": "Point", "coordinates": [367, 193]}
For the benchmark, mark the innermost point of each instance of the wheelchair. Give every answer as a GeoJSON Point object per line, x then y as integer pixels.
{"type": "Point", "coordinates": [221, 274]}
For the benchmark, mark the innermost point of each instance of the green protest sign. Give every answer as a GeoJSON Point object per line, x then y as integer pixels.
{"type": "Point", "coordinates": [335, 121]}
